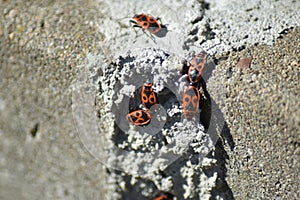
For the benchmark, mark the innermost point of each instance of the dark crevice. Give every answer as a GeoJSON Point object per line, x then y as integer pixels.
{"type": "Point", "coordinates": [34, 130]}
{"type": "Point", "coordinates": [209, 34]}
{"type": "Point", "coordinates": [198, 19]}
{"type": "Point", "coordinates": [194, 31]}
{"type": "Point", "coordinates": [267, 28]}
{"type": "Point", "coordinates": [239, 48]}
{"type": "Point", "coordinates": [42, 24]}
{"type": "Point", "coordinates": [204, 6]}
{"type": "Point", "coordinates": [222, 188]}
{"type": "Point", "coordinates": [284, 32]}
{"type": "Point", "coordinates": [226, 135]}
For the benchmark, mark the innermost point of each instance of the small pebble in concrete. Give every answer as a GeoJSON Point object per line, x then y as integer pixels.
{"type": "Point", "coordinates": [244, 63]}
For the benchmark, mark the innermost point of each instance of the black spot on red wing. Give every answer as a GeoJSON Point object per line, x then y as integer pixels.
{"type": "Point", "coordinates": [144, 18]}
{"type": "Point", "coordinates": [154, 25]}
{"type": "Point", "coordinates": [137, 114]}
{"type": "Point", "coordinates": [145, 24]}
{"type": "Point", "coordinates": [140, 121]}
{"type": "Point", "coordinates": [151, 20]}
{"type": "Point", "coordinates": [136, 17]}
{"type": "Point", "coordinates": [133, 118]}
{"type": "Point", "coordinates": [186, 99]}
{"type": "Point", "coordinates": [200, 67]}
{"type": "Point", "coordinates": [145, 98]}
{"type": "Point", "coordinates": [152, 100]}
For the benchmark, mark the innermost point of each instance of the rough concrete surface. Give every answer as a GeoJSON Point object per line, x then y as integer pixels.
{"type": "Point", "coordinates": [51, 49]}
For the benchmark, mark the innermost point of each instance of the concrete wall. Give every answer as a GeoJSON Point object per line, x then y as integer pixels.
{"type": "Point", "coordinates": [51, 49]}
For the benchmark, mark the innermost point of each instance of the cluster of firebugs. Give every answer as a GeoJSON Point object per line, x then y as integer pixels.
{"type": "Point", "coordinates": [191, 95]}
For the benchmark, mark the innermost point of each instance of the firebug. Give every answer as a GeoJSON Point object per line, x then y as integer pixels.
{"type": "Point", "coordinates": [139, 117]}
{"type": "Point", "coordinates": [191, 101]}
{"type": "Point", "coordinates": [149, 97]}
{"type": "Point", "coordinates": [165, 196]}
{"type": "Point", "coordinates": [196, 69]}
{"type": "Point", "coordinates": [149, 23]}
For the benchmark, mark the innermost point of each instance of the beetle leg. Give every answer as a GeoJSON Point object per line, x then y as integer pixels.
{"type": "Point", "coordinates": [132, 21]}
